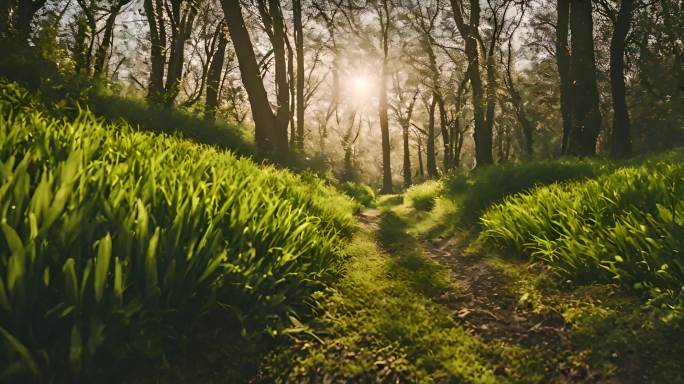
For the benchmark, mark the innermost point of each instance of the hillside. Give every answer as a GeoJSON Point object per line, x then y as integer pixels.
{"type": "Point", "coordinates": [118, 244]}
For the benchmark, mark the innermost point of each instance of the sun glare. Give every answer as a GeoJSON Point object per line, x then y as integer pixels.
{"type": "Point", "coordinates": [360, 87]}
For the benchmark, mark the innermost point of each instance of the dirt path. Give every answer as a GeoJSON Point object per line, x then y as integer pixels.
{"type": "Point", "coordinates": [489, 308]}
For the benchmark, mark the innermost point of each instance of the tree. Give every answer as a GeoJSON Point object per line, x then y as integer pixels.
{"type": "Point", "coordinates": [102, 54]}
{"type": "Point", "coordinates": [431, 161]}
{"type": "Point", "coordinates": [24, 10]}
{"type": "Point", "coordinates": [470, 33]}
{"type": "Point", "coordinates": [586, 119]}
{"type": "Point", "coordinates": [268, 125]}
{"type": "Point", "coordinates": [621, 142]}
{"type": "Point", "coordinates": [403, 107]}
{"type": "Point", "coordinates": [299, 48]}
{"type": "Point", "coordinates": [166, 72]}
{"type": "Point", "coordinates": [526, 126]}
{"type": "Point", "coordinates": [214, 73]}
{"type": "Point", "coordinates": [383, 11]}
{"type": "Point", "coordinates": [563, 63]}
{"type": "Point", "coordinates": [424, 20]}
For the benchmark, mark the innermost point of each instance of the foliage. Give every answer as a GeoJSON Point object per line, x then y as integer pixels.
{"type": "Point", "coordinates": [115, 242]}
{"type": "Point", "coordinates": [422, 196]}
{"type": "Point", "coordinates": [625, 226]}
{"type": "Point", "coordinates": [474, 192]}
{"type": "Point", "coordinates": [358, 191]}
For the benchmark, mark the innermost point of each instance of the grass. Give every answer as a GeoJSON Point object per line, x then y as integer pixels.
{"type": "Point", "coordinates": [361, 193]}
{"type": "Point", "coordinates": [116, 243]}
{"type": "Point", "coordinates": [623, 227]}
{"type": "Point", "coordinates": [422, 197]}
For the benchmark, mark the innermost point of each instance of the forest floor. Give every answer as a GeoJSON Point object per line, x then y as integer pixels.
{"type": "Point", "coordinates": [422, 307]}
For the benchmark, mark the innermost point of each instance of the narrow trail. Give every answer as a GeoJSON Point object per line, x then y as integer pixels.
{"type": "Point", "coordinates": [486, 306]}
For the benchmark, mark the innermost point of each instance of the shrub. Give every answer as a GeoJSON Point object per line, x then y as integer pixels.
{"type": "Point", "coordinates": [422, 196]}
{"type": "Point", "coordinates": [361, 193]}
{"type": "Point", "coordinates": [115, 242]}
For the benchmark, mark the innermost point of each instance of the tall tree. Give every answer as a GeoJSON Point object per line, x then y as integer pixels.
{"type": "Point", "coordinates": [299, 48]}
{"type": "Point", "coordinates": [154, 11]}
{"type": "Point", "coordinates": [470, 33]}
{"type": "Point", "coordinates": [431, 160]}
{"type": "Point", "coordinates": [563, 63]}
{"type": "Point", "coordinates": [424, 21]}
{"type": "Point", "coordinates": [102, 53]}
{"type": "Point", "coordinates": [403, 112]}
{"type": "Point", "coordinates": [621, 143]}
{"type": "Point", "coordinates": [214, 74]}
{"type": "Point", "coordinates": [270, 127]}
{"type": "Point", "coordinates": [586, 120]}
{"type": "Point", "coordinates": [383, 11]}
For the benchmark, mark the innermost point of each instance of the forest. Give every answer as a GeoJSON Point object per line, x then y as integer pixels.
{"type": "Point", "coordinates": [341, 191]}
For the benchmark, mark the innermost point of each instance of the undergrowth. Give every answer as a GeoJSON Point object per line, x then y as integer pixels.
{"type": "Point", "coordinates": [623, 227]}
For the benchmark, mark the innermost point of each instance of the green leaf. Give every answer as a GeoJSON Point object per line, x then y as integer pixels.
{"type": "Point", "coordinates": [70, 281]}
{"type": "Point", "coordinates": [151, 264]}
{"type": "Point", "coordinates": [13, 239]}
{"type": "Point", "coordinates": [76, 351]}
{"type": "Point", "coordinates": [118, 281]}
{"type": "Point", "coordinates": [21, 350]}
{"type": "Point", "coordinates": [104, 254]}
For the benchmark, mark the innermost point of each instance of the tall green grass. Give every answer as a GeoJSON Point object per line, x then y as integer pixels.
{"type": "Point", "coordinates": [114, 242]}
{"type": "Point", "coordinates": [626, 226]}
{"type": "Point", "coordinates": [361, 193]}
{"type": "Point", "coordinates": [423, 196]}
{"type": "Point", "coordinates": [474, 192]}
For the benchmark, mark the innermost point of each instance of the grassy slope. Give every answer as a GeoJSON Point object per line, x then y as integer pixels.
{"type": "Point", "coordinates": [117, 245]}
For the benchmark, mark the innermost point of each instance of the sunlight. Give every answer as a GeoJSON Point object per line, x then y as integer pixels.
{"type": "Point", "coordinates": [360, 87]}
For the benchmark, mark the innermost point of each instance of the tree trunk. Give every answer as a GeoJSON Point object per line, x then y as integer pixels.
{"type": "Point", "coordinates": [436, 86]}
{"type": "Point", "coordinates": [563, 64]}
{"type": "Point", "coordinates": [421, 169]}
{"type": "Point", "coordinates": [264, 119]}
{"type": "Point", "coordinates": [214, 75]}
{"type": "Point", "coordinates": [430, 145]}
{"type": "Point", "coordinates": [621, 144]}
{"type": "Point", "coordinates": [102, 53]}
{"type": "Point", "coordinates": [299, 48]}
{"type": "Point", "coordinates": [491, 98]}
{"type": "Point", "coordinates": [79, 50]}
{"type": "Point", "coordinates": [282, 86]}
{"type": "Point", "coordinates": [384, 129]}
{"type": "Point", "coordinates": [482, 132]}
{"type": "Point", "coordinates": [526, 127]}
{"type": "Point", "coordinates": [155, 89]}
{"type": "Point", "coordinates": [586, 114]}
{"type": "Point", "coordinates": [407, 156]}
{"type": "Point", "coordinates": [174, 76]}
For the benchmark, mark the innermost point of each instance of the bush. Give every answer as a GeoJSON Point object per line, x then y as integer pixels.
{"type": "Point", "coordinates": [361, 193]}
{"type": "Point", "coordinates": [115, 242]}
{"type": "Point", "coordinates": [422, 196]}
{"type": "Point", "coordinates": [476, 191]}
{"type": "Point", "coordinates": [625, 226]}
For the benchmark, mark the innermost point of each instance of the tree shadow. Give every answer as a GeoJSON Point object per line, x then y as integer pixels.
{"type": "Point", "coordinates": [407, 258]}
